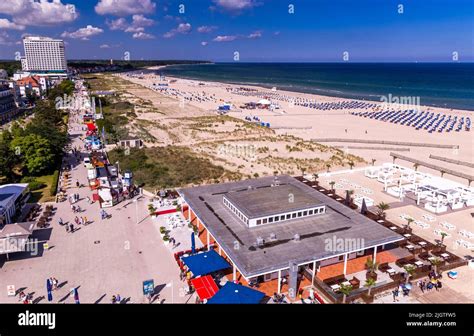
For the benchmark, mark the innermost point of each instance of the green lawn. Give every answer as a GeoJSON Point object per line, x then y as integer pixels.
{"type": "Point", "coordinates": [43, 195]}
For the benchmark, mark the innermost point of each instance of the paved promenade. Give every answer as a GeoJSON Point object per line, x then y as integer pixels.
{"type": "Point", "coordinates": [103, 258]}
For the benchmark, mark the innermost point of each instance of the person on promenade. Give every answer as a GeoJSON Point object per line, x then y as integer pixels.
{"type": "Point", "coordinates": [118, 298]}
{"type": "Point", "coordinates": [55, 283]}
{"type": "Point", "coordinates": [114, 299]}
{"type": "Point", "coordinates": [72, 228]}
{"type": "Point", "coordinates": [60, 221]}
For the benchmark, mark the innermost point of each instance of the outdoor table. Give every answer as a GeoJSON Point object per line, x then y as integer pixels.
{"type": "Point", "coordinates": [338, 199]}
{"type": "Point", "coordinates": [346, 283]}
{"type": "Point", "coordinates": [410, 247]}
{"type": "Point", "coordinates": [380, 221]}
{"type": "Point", "coordinates": [321, 189]}
{"type": "Point", "coordinates": [444, 255]}
{"type": "Point", "coordinates": [329, 194]}
{"type": "Point", "coordinates": [419, 263]}
{"type": "Point", "coordinates": [407, 235]}
{"type": "Point", "coordinates": [391, 271]}
{"type": "Point", "coordinates": [393, 228]}
{"type": "Point", "coordinates": [335, 288]}
{"type": "Point", "coordinates": [422, 243]}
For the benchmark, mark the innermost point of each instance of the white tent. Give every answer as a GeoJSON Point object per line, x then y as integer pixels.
{"type": "Point", "coordinates": [264, 102]}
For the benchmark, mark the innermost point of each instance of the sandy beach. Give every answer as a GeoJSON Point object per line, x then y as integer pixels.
{"type": "Point", "coordinates": [192, 98]}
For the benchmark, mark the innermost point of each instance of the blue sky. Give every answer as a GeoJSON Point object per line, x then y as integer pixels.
{"type": "Point", "coordinates": [259, 30]}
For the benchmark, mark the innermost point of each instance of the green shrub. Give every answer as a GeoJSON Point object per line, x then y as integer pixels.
{"type": "Point", "coordinates": [36, 185]}
{"type": "Point", "coordinates": [54, 184]}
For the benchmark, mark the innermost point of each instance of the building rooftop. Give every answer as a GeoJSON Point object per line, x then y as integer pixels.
{"type": "Point", "coordinates": [271, 200]}
{"type": "Point", "coordinates": [239, 242]}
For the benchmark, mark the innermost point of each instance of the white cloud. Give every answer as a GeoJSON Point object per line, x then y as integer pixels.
{"type": "Point", "coordinates": [83, 33]}
{"type": "Point", "coordinates": [204, 43]}
{"type": "Point", "coordinates": [206, 29]}
{"type": "Point", "coordinates": [118, 24]}
{"type": "Point", "coordinates": [104, 46]}
{"type": "Point", "coordinates": [236, 5]}
{"type": "Point", "coordinates": [225, 38]}
{"type": "Point", "coordinates": [143, 36]}
{"type": "Point", "coordinates": [255, 35]}
{"type": "Point", "coordinates": [124, 7]}
{"type": "Point", "coordinates": [183, 28]}
{"type": "Point", "coordinates": [7, 24]}
{"type": "Point", "coordinates": [139, 22]}
{"type": "Point", "coordinates": [42, 13]}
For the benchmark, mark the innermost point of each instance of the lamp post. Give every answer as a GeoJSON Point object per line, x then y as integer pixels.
{"type": "Point", "coordinates": [136, 210]}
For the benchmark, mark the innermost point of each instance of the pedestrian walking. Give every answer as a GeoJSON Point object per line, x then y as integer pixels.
{"type": "Point", "coordinates": [67, 228]}
{"type": "Point", "coordinates": [395, 294]}
{"type": "Point", "coordinates": [114, 299]}
{"type": "Point", "coordinates": [72, 228]}
{"type": "Point", "coordinates": [118, 298]}
{"type": "Point", "coordinates": [85, 220]}
{"type": "Point", "coordinates": [55, 283]}
{"type": "Point", "coordinates": [88, 199]}
{"type": "Point", "coordinates": [77, 183]}
{"type": "Point", "coordinates": [60, 221]}
{"type": "Point", "coordinates": [76, 220]}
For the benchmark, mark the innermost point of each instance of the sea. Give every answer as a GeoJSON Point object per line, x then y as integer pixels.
{"type": "Point", "coordinates": [446, 85]}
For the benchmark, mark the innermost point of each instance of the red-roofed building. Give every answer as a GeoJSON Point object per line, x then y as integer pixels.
{"type": "Point", "coordinates": [36, 84]}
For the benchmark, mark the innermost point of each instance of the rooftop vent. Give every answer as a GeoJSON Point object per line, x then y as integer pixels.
{"type": "Point", "coordinates": [260, 241]}
{"type": "Point", "coordinates": [296, 237]}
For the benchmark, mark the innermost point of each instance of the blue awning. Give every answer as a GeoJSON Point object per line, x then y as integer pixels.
{"type": "Point", "coordinates": [234, 293]}
{"type": "Point", "coordinates": [205, 263]}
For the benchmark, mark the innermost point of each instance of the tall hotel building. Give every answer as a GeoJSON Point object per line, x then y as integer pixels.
{"type": "Point", "coordinates": [43, 55]}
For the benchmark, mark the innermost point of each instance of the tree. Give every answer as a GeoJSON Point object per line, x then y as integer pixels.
{"type": "Point", "coordinates": [443, 235]}
{"type": "Point", "coordinates": [303, 170]}
{"type": "Point", "coordinates": [351, 164]}
{"type": "Point", "coordinates": [328, 166]}
{"type": "Point", "coordinates": [372, 266]}
{"type": "Point", "coordinates": [409, 221]}
{"type": "Point", "coordinates": [315, 176]}
{"type": "Point", "coordinates": [332, 183]}
{"type": "Point", "coordinates": [382, 207]}
{"type": "Point", "coordinates": [369, 283]}
{"type": "Point", "coordinates": [410, 269]}
{"type": "Point", "coordinates": [435, 262]}
{"type": "Point", "coordinates": [7, 156]}
{"type": "Point", "coordinates": [345, 290]}
{"type": "Point", "coordinates": [442, 173]}
{"type": "Point", "coordinates": [35, 153]}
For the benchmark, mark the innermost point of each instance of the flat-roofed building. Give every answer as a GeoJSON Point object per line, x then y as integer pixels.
{"type": "Point", "coordinates": [44, 55]}
{"type": "Point", "coordinates": [305, 223]}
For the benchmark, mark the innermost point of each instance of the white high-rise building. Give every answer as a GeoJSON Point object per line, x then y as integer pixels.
{"type": "Point", "coordinates": [43, 54]}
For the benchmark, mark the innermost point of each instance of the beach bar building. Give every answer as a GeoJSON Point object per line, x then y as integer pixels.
{"type": "Point", "coordinates": [276, 228]}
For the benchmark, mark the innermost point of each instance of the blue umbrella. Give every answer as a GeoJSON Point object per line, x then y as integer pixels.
{"type": "Point", "coordinates": [193, 243]}
{"type": "Point", "coordinates": [76, 296]}
{"type": "Point", "coordinates": [49, 287]}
